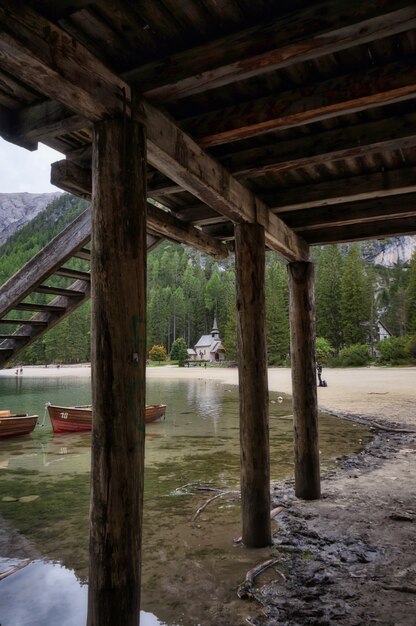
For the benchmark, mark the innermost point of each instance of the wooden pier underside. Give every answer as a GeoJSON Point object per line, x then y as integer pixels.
{"type": "Point", "coordinates": [288, 123]}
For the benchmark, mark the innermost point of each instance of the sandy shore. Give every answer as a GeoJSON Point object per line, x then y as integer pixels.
{"type": "Point", "coordinates": [378, 393]}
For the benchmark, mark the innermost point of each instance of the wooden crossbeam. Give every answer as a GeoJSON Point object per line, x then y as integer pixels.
{"type": "Point", "coordinates": [45, 57]}
{"type": "Point", "coordinates": [360, 232]}
{"type": "Point", "coordinates": [70, 177]}
{"type": "Point", "coordinates": [294, 38]}
{"type": "Point", "coordinates": [363, 212]}
{"type": "Point", "coordinates": [331, 98]}
{"type": "Point", "coordinates": [354, 189]}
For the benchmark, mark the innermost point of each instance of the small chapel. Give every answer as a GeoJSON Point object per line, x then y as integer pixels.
{"type": "Point", "coordinates": [209, 347]}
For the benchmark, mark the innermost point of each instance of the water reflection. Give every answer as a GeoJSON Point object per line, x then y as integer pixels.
{"type": "Point", "coordinates": [47, 593]}
{"type": "Point", "coordinates": [190, 568]}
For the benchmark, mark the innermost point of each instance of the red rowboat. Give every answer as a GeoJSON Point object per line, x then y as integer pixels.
{"type": "Point", "coordinates": [14, 424]}
{"type": "Point", "coordinates": [66, 419]}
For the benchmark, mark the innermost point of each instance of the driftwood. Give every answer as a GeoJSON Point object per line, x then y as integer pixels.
{"type": "Point", "coordinates": [15, 568]}
{"type": "Point", "coordinates": [402, 588]}
{"type": "Point", "coordinates": [218, 495]}
{"type": "Point", "coordinates": [245, 589]}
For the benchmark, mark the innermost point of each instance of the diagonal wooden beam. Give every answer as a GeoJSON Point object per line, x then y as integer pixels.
{"type": "Point", "coordinates": [338, 96]}
{"type": "Point", "coordinates": [77, 180]}
{"type": "Point", "coordinates": [294, 38]}
{"type": "Point", "coordinates": [45, 57]}
{"type": "Point", "coordinates": [43, 264]}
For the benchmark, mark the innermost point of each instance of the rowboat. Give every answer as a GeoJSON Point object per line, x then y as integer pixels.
{"type": "Point", "coordinates": [66, 419]}
{"type": "Point", "coordinates": [16, 424]}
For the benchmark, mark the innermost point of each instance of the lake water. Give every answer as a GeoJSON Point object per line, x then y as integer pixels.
{"type": "Point", "coordinates": [191, 569]}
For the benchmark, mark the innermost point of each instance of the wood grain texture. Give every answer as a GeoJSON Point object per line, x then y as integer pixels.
{"type": "Point", "coordinates": [305, 405]}
{"type": "Point", "coordinates": [253, 385]}
{"type": "Point", "coordinates": [118, 372]}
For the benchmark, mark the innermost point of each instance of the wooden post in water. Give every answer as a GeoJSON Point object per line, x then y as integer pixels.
{"type": "Point", "coordinates": [253, 385]}
{"type": "Point", "coordinates": [118, 372]}
{"type": "Point", "coordinates": [305, 405]}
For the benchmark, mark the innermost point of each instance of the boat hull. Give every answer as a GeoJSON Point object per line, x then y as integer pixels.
{"type": "Point", "coordinates": [65, 419]}
{"type": "Point", "coordinates": [15, 425]}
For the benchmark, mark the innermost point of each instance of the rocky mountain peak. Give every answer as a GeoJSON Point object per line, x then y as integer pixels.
{"type": "Point", "coordinates": [17, 209]}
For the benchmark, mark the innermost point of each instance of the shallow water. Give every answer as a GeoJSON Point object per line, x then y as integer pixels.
{"type": "Point", "coordinates": [190, 568]}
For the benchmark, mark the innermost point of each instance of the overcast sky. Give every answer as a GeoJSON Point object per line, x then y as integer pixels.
{"type": "Point", "coordinates": [21, 170]}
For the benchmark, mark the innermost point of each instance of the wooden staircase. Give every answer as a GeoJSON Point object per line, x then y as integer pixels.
{"type": "Point", "coordinates": [53, 260]}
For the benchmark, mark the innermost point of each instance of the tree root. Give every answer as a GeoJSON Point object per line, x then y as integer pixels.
{"type": "Point", "coordinates": [402, 588]}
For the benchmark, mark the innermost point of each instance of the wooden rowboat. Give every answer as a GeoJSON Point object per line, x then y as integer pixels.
{"type": "Point", "coordinates": [66, 419]}
{"type": "Point", "coordinates": [16, 424]}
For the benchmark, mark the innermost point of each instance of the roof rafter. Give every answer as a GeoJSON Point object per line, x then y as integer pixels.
{"type": "Point", "coordinates": [316, 102]}
{"type": "Point", "coordinates": [261, 49]}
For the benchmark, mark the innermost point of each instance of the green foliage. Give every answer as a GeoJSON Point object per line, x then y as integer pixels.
{"type": "Point", "coordinates": [328, 276]}
{"type": "Point", "coordinates": [411, 346]}
{"type": "Point", "coordinates": [355, 304]}
{"type": "Point", "coordinates": [158, 353]}
{"type": "Point", "coordinates": [393, 350]}
{"type": "Point", "coordinates": [323, 350]}
{"type": "Point", "coordinates": [411, 297]}
{"type": "Point", "coordinates": [179, 351]}
{"type": "Point", "coordinates": [355, 355]}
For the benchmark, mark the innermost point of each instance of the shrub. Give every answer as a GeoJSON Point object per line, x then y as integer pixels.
{"type": "Point", "coordinates": [411, 346]}
{"type": "Point", "coordinates": [158, 353]}
{"type": "Point", "coordinates": [393, 350]}
{"type": "Point", "coordinates": [323, 350]}
{"type": "Point", "coordinates": [179, 351]}
{"type": "Point", "coordinates": [355, 355]}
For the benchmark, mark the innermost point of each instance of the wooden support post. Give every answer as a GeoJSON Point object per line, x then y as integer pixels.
{"type": "Point", "coordinates": [118, 372]}
{"type": "Point", "coordinates": [305, 406]}
{"type": "Point", "coordinates": [253, 385]}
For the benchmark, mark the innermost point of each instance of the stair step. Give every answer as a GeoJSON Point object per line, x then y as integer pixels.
{"type": "Point", "coordinates": [59, 291]}
{"type": "Point", "coordinates": [17, 337]}
{"type": "Point", "coordinates": [74, 274]}
{"type": "Point", "coordinates": [44, 308]}
{"type": "Point", "coordinates": [84, 254]}
{"type": "Point", "coordinates": [24, 322]}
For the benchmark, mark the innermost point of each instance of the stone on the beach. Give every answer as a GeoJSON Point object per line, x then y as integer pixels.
{"type": "Point", "coordinates": [28, 498]}
{"type": "Point", "coordinates": [9, 499]}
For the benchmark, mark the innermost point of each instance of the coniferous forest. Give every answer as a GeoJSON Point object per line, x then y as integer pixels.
{"type": "Point", "coordinates": [186, 289]}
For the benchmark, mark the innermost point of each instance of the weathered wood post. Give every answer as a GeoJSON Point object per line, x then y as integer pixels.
{"type": "Point", "coordinates": [253, 385]}
{"type": "Point", "coordinates": [118, 371]}
{"type": "Point", "coordinates": [305, 404]}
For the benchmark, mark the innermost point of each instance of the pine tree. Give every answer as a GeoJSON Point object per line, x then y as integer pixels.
{"type": "Point", "coordinates": [411, 298]}
{"type": "Point", "coordinates": [355, 303]}
{"type": "Point", "coordinates": [328, 275]}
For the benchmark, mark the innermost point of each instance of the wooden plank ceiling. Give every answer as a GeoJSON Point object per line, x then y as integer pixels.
{"type": "Point", "coordinates": [298, 115]}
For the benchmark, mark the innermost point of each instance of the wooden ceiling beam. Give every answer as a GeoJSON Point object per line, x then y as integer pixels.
{"type": "Point", "coordinates": [351, 190]}
{"type": "Point", "coordinates": [311, 103]}
{"type": "Point", "coordinates": [45, 57]}
{"type": "Point", "coordinates": [361, 232]}
{"type": "Point", "coordinates": [364, 212]}
{"type": "Point", "coordinates": [294, 38]}
{"type": "Point", "coordinates": [69, 177]}
{"type": "Point", "coordinates": [390, 133]}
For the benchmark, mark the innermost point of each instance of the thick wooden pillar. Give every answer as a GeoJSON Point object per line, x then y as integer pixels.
{"type": "Point", "coordinates": [305, 405]}
{"type": "Point", "coordinates": [118, 372]}
{"type": "Point", "coordinates": [253, 385]}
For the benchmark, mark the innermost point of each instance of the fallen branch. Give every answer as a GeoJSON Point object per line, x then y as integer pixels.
{"type": "Point", "coordinates": [245, 589]}
{"type": "Point", "coordinates": [276, 511]}
{"type": "Point", "coordinates": [14, 569]}
{"type": "Point", "coordinates": [204, 506]}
